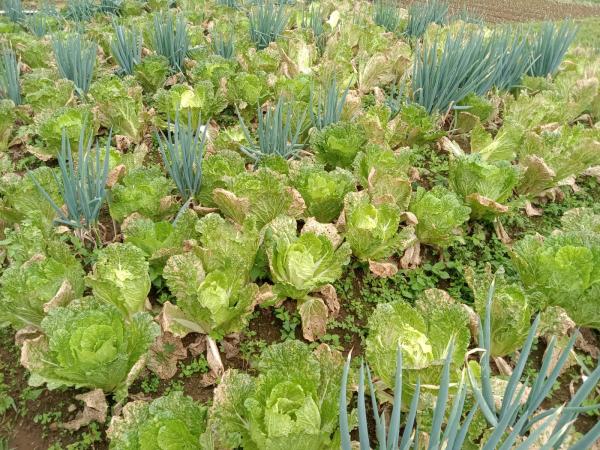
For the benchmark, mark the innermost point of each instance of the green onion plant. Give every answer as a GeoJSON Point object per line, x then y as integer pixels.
{"type": "Point", "coordinates": [267, 21]}
{"type": "Point", "coordinates": [386, 14]}
{"type": "Point", "coordinates": [38, 24]}
{"type": "Point", "coordinates": [391, 436]}
{"type": "Point", "coordinates": [448, 69]}
{"type": "Point", "coordinates": [126, 48]}
{"type": "Point", "coordinates": [80, 10]}
{"type": "Point", "coordinates": [223, 44]}
{"type": "Point", "coordinates": [110, 6]}
{"type": "Point", "coordinates": [276, 133]}
{"type": "Point", "coordinates": [13, 10]}
{"type": "Point", "coordinates": [10, 70]}
{"type": "Point", "coordinates": [312, 19]}
{"type": "Point", "coordinates": [170, 38]}
{"type": "Point", "coordinates": [421, 15]}
{"type": "Point", "coordinates": [327, 109]}
{"type": "Point", "coordinates": [513, 420]}
{"type": "Point", "coordinates": [82, 183]}
{"type": "Point", "coordinates": [182, 150]}
{"type": "Point", "coordinates": [75, 58]}
{"type": "Point", "coordinates": [549, 46]}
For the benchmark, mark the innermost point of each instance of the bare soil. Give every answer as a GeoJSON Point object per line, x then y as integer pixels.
{"type": "Point", "coordinates": [525, 10]}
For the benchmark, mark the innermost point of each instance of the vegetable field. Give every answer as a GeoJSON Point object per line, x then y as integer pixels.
{"type": "Point", "coordinates": [272, 224]}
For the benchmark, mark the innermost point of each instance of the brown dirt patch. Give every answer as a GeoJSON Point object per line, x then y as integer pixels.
{"type": "Point", "coordinates": [525, 11]}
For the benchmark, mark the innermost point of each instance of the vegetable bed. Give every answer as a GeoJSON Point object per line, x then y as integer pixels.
{"type": "Point", "coordinates": [308, 225]}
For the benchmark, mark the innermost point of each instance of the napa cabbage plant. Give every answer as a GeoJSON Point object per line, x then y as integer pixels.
{"type": "Point", "coordinates": [89, 344]}
{"type": "Point", "coordinates": [171, 421]}
{"type": "Point", "coordinates": [261, 195]}
{"type": "Point", "coordinates": [322, 191]}
{"type": "Point", "coordinates": [120, 277]}
{"type": "Point", "coordinates": [562, 270]}
{"type": "Point", "coordinates": [337, 144]}
{"type": "Point", "coordinates": [485, 186]}
{"type": "Point", "coordinates": [372, 230]}
{"type": "Point", "coordinates": [216, 303]}
{"type": "Point", "coordinates": [119, 106]}
{"type": "Point", "coordinates": [440, 214]}
{"type": "Point", "coordinates": [159, 240]}
{"type": "Point", "coordinates": [218, 169]}
{"type": "Point", "coordinates": [511, 310]}
{"type": "Point", "coordinates": [151, 73]}
{"type": "Point", "coordinates": [225, 245]}
{"type": "Point", "coordinates": [51, 125]}
{"type": "Point", "coordinates": [292, 401]}
{"type": "Point", "coordinates": [7, 120]}
{"type": "Point", "coordinates": [50, 278]}
{"type": "Point", "coordinates": [143, 190]}
{"type": "Point", "coordinates": [42, 92]}
{"type": "Point", "coordinates": [423, 333]}
{"type": "Point", "coordinates": [303, 264]}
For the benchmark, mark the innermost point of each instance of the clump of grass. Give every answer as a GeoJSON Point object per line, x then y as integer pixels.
{"type": "Point", "coordinates": [82, 182]}
{"type": "Point", "coordinates": [10, 76]}
{"type": "Point", "coordinates": [170, 39]}
{"type": "Point", "coordinates": [549, 46]}
{"type": "Point", "coordinates": [126, 48]}
{"type": "Point", "coordinates": [278, 133]}
{"type": "Point", "coordinates": [76, 59]}
{"type": "Point", "coordinates": [267, 21]}
{"type": "Point", "coordinates": [182, 149]}
{"type": "Point", "coordinates": [421, 15]}
{"type": "Point", "coordinates": [386, 14]}
{"type": "Point", "coordinates": [326, 107]}
{"type": "Point", "coordinates": [223, 44]}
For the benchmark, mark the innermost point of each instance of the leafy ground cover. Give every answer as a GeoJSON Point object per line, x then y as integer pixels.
{"type": "Point", "coordinates": [206, 206]}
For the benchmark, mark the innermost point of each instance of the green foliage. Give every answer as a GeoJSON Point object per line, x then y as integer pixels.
{"type": "Point", "coordinates": [126, 48]}
{"type": "Point", "coordinates": [89, 344]}
{"type": "Point", "coordinates": [561, 270]}
{"type": "Point", "coordinates": [267, 21]}
{"type": "Point", "coordinates": [521, 400]}
{"type": "Point", "coordinates": [82, 187]}
{"type": "Point", "coordinates": [278, 133]}
{"type": "Point", "coordinates": [373, 230]}
{"type": "Point", "coordinates": [423, 334]}
{"type": "Point", "coordinates": [446, 70]}
{"type": "Point", "coordinates": [303, 264]}
{"type": "Point", "coordinates": [484, 186]}
{"type": "Point", "coordinates": [338, 144]}
{"type": "Point", "coordinates": [440, 214]}
{"type": "Point", "coordinates": [174, 420]}
{"type": "Point", "coordinates": [13, 10]}
{"type": "Point", "coordinates": [152, 72]}
{"type": "Point", "coordinates": [31, 287]}
{"type": "Point", "coordinates": [217, 169]}
{"type": "Point", "coordinates": [326, 107]}
{"type": "Point", "coordinates": [10, 71]}
{"type": "Point", "coordinates": [386, 14]}
{"type": "Point", "coordinates": [548, 47]}
{"type": "Point", "coordinates": [224, 245]}
{"type": "Point", "coordinates": [421, 15]}
{"type": "Point", "coordinates": [261, 195]}
{"type": "Point", "coordinates": [120, 277]}
{"type": "Point", "coordinates": [322, 191]}
{"type": "Point", "coordinates": [119, 106]}
{"type": "Point", "coordinates": [292, 400]}
{"type": "Point", "coordinates": [80, 10]}
{"type": "Point", "coordinates": [144, 190]}
{"type": "Point", "coordinates": [216, 303]}
{"type": "Point", "coordinates": [182, 149]}
{"type": "Point", "coordinates": [511, 310]}
{"type": "Point", "coordinates": [223, 45]}
{"type": "Point", "coordinates": [159, 240]}
{"type": "Point", "coordinates": [7, 120]}
{"type": "Point", "coordinates": [75, 58]}
{"type": "Point", "coordinates": [169, 38]}
{"type": "Point", "coordinates": [41, 92]}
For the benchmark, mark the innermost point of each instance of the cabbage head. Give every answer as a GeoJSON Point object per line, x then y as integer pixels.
{"type": "Point", "coordinates": [89, 344]}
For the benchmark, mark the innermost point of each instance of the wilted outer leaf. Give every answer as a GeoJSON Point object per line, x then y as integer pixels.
{"type": "Point", "coordinates": [164, 354]}
{"type": "Point", "coordinates": [95, 410]}
{"type": "Point", "coordinates": [314, 314]}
